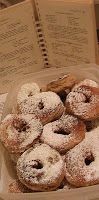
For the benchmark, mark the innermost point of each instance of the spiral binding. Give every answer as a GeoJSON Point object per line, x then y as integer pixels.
{"type": "Point", "coordinates": [41, 38]}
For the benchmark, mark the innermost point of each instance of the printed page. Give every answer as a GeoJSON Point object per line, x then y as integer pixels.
{"type": "Point", "coordinates": [69, 31]}
{"type": "Point", "coordinates": [19, 50]}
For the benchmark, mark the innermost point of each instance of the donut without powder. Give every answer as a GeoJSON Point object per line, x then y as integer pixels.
{"type": "Point", "coordinates": [64, 133]}
{"type": "Point", "coordinates": [19, 132]}
{"type": "Point", "coordinates": [82, 162]}
{"type": "Point", "coordinates": [61, 84]}
{"type": "Point", "coordinates": [83, 103]}
{"type": "Point", "coordinates": [26, 91]}
{"type": "Point", "coordinates": [86, 82]}
{"type": "Point", "coordinates": [41, 168]}
{"type": "Point", "coordinates": [46, 106]}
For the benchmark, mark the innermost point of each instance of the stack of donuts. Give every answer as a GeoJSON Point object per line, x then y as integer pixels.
{"type": "Point", "coordinates": [52, 135]}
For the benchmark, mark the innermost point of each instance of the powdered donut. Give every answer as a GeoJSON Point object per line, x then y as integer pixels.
{"type": "Point", "coordinates": [26, 91]}
{"type": "Point", "coordinates": [41, 168]}
{"type": "Point", "coordinates": [83, 103]}
{"type": "Point", "coordinates": [19, 132]}
{"type": "Point", "coordinates": [63, 83]}
{"type": "Point", "coordinates": [86, 82]}
{"type": "Point", "coordinates": [46, 105]}
{"type": "Point", "coordinates": [64, 133]}
{"type": "Point", "coordinates": [82, 162]}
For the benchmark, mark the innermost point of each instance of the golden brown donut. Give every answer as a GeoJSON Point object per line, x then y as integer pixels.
{"type": "Point", "coordinates": [61, 84]}
{"type": "Point", "coordinates": [41, 168]}
{"type": "Point", "coordinates": [83, 103]}
{"type": "Point", "coordinates": [64, 133]}
{"type": "Point", "coordinates": [82, 162]}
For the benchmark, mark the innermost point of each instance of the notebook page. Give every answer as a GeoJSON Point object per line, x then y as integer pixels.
{"type": "Point", "coordinates": [69, 31]}
{"type": "Point", "coordinates": [19, 49]}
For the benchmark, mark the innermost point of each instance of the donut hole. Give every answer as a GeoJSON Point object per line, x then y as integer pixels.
{"type": "Point", "coordinates": [62, 132]}
{"type": "Point", "coordinates": [37, 164]}
{"type": "Point", "coordinates": [20, 125]}
{"type": "Point", "coordinates": [89, 159]}
{"type": "Point", "coordinates": [41, 105]}
{"type": "Point", "coordinates": [87, 100]}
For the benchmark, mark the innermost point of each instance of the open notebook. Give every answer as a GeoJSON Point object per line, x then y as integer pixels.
{"type": "Point", "coordinates": [45, 33]}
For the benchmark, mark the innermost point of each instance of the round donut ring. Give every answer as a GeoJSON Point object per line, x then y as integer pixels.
{"type": "Point", "coordinates": [64, 133]}
{"type": "Point", "coordinates": [83, 103]}
{"type": "Point", "coordinates": [19, 132]}
{"type": "Point", "coordinates": [46, 106]}
{"type": "Point", "coordinates": [41, 168]}
{"type": "Point", "coordinates": [82, 162]}
{"type": "Point", "coordinates": [61, 84]}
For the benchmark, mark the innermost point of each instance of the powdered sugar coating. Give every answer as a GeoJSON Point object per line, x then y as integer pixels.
{"type": "Point", "coordinates": [46, 105]}
{"type": "Point", "coordinates": [84, 103]}
{"type": "Point", "coordinates": [82, 162]}
{"type": "Point", "coordinates": [86, 82]}
{"type": "Point", "coordinates": [75, 97]}
{"type": "Point", "coordinates": [64, 133]}
{"type": "Point", "coordinates": [19, 132]}
{"type": "Point", "coordinates": [41, 168]}
{"type": "Point", "coordinates": [26, 91]}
